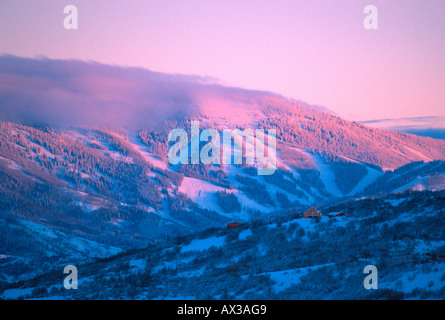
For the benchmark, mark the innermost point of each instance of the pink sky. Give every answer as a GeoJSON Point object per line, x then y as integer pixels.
{"type": "Point", "coordinates": [316, 51]}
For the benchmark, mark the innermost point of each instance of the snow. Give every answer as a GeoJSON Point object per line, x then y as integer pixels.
{"type": "Point", "coordinates": [171, 264]}
{"type": "Point", "coordinates": [117, 156]}
{"type": "Point", "coordinates": [288, 223]}
{"type": "Point", "coordinates": [84, 175]}
{"type": "Point", "coordinates": [429, 280]}
{"type": "Point", "coordinates": [273, 189]}
{"type": "Point", "coordinates": [43, 150]}
{"type": "Point", "coordinates": [196, 188]}
{"type": "Point", "coordinates": [225, 110]}
{"type": "Point", "coordinates": [87, 207]}
{"type": "Point", "coordinates": [422, 183]}
{"type": "Point", "coordinates": [11, 164]}
{"type": "Point", "coordinates": [395, 202]}
{"type": "Point", "coordinates": [286, 278]}
{"type": "Point", "coordinates": [371, 176]}
{"type": "Point", "coordinates": [16, 293]}
{"type": "Point", "coordinates": [416, 184]}
{"type": "Point", "coordinates": [245, 200]}
{"type": "Point", "coordinates": [204, 244]}
{"type": "Point", "coordinates": [327, 176]}
{"type": "Point", "coordinates": [138, 264]}
{"type": "Point", "coordinates": [308, 225]}
{"type": "Point", "coordinates": [418, 154]}
{"type": "Point", "coordinates": [141, 149]}
{"type": "Point", "coordinates": [117, 222]}
{"type": "Point", "coordinates": [193, 273]}
{"type": "Point", "coordinates": [62, 240]}
{"type": "Point", "coordinates": [165, 214]}
{"type": "Point", "coordinates": [424, 246]}
{"type": "Point", "coordinates": [80, 137]}
{"type": "Point", "coordinates": [202, 192]}
{"type": "Point", "coordinates": [290, 163]}
{"type": "Point", "coordinates": [262, 249]}
{"type": "Point", "coordinates": [245, 234]}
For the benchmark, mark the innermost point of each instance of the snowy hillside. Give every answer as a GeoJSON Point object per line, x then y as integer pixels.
{"type": "Point", "coordinates": [115, 189]}
{"type": "Point", "coordinates": [85, 175]}
{"type": "Point", "coordinates": [284, 258]}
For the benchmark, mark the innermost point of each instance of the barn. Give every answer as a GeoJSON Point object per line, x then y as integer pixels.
{"type": "Point", "coordinates": [312, 213]}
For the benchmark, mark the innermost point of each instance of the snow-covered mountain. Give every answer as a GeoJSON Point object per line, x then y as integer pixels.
{"type": "Point", "coordinates": [83, 158]}
{"type": "Point", "coordinates": [118, 179]}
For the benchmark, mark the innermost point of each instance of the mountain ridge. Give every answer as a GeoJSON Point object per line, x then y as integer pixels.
{"type": "Point", "coordinates": [83, 161]}
{"type": "Point", "coordinates": [74, 93]}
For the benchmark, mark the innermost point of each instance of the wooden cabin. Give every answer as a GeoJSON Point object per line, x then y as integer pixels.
{"type": "Point", "coordinates": [336, 214]}
{"type": "Point", "coordinates": [341, 214]}
{"type": "Point", "coordinates": [312, 213]}
{"type": "Point", "coordinates": [233, 225]}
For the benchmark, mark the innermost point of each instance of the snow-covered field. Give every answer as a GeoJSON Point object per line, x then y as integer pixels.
{"type": "Point", "coordinates": [142, 150]}
{"type": "Point", "coordinates": [327, 176]}
{"type": "Point", "coordinates": [203, 244]}
{"type": "Point", "coordinates": [59, 241]}
{"type": "Point", "coordinates": [286, 278]}
{"type": "Point", "coordinates": [371, 176]}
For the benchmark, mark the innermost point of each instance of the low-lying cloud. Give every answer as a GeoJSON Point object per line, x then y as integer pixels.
{"type": "Point", "coordinates": [71, 92]}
